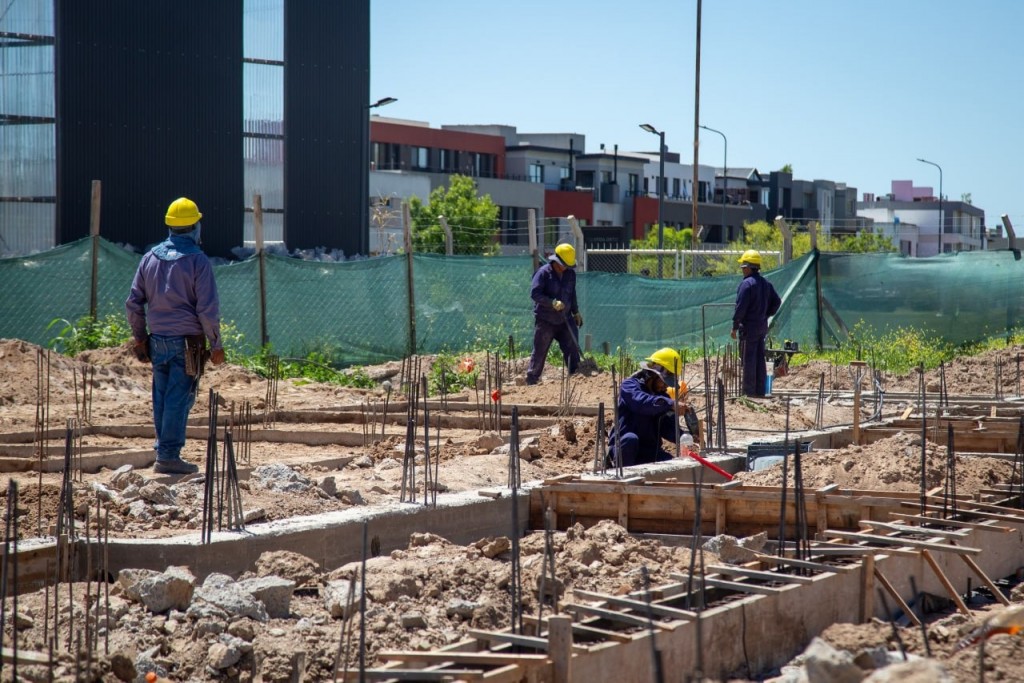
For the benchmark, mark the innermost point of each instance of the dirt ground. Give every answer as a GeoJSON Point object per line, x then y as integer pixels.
{"type": "Point", "coordinates": [429, 594]}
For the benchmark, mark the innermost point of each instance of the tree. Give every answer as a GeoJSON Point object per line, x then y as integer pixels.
{"type": "Point", "coordinates": [788, 168]}
{"type": "Point", "coordinates": [472, 219]}
{"type": "Point", "coordinates": [672, 238]}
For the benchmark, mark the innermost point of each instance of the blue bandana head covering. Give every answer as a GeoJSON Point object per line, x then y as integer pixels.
{"type": "Point", "coordinates": [178, 245]}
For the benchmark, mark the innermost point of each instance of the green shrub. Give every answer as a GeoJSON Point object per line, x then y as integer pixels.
{"type": "Point", "coordinates": [89, 333]}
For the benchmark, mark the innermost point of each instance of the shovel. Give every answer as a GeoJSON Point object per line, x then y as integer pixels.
{"type": "Point", "coordinates": [587, 365]}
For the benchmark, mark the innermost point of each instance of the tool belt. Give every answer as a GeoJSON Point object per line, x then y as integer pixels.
{"type": "Point", "coordinates": [196, 355]}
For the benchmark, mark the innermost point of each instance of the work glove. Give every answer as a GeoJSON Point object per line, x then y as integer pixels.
{"type": "Point", "coordinates": [578, 317]}
{"type": "Point", "coordinates": [557, 305]}
{"type": "Point", "coordinates": [141, 350]}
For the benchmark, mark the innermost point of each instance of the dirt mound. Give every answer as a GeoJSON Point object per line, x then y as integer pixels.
{"type": "Point", "coordinates": [889, 464]}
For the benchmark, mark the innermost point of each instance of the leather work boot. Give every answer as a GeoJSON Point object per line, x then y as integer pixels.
{"type": "Point", "coordinates": [175, 466]}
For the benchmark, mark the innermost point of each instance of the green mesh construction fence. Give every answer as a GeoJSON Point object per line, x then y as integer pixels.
{"type": "Point", "coordinates": [358, 312]}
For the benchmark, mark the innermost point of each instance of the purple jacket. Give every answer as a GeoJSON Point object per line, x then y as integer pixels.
{"type": "Point", "coordinates": [547, 286]}
{"type": "Point", "coordinates": [174, 292]}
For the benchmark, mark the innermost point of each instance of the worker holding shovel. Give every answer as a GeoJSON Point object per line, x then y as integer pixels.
{"type": "Point", "coordinates": [556, 312]}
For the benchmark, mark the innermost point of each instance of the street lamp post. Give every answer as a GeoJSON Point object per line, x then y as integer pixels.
{"type": "Point", "coordinates": [661, 190]}
{"type": "Point", "coordinates": [725, 173]}
{"type": "Point", "coordinates": [364, 174]}
{"type": "Point", "coordinates": [942, 227]}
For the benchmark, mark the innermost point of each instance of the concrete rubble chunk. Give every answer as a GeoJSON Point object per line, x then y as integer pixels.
{"type": "Point", "coordinates": [336, 597]}
{"type": "Point", "coordinates": [226, 652]}
{"type": "Point", "coordinates": [158, 592]}
{"type": "Point", "coordinates": [912, 671]}
{"type": "Point", "coordinates": [411, 620]}
{"type": "Point", "coordinates": [223, 592]}
{"type": "Point", "coordinates": [158, 494]}
{"type": "Point", "coordinates": [328, 485]}
{"type": "Point", "coordinates": [102, 492]}
{"type": "Point", "coordinates": [732, 550]}
{"type": "Point", "coordinates": [417, 539]}
{"type": "Point", "coordinates": [461, 608]}
{"type": "Point", "coordinates": [125, 476]}
{"type": "Point", "coordinates": [389, 464]}
{"type": "Point", "coordinates": [362, 462]}
{"type": "Point", "coordinates": [279, 477]}
{"type": "Point", "coordinates": [352, 497]}
{"type": "Point", "coordinates": [288, 565]}
{"type": "Point", "coordinates": [274, 592]}
{"type": "Point", "coordinates": [488, 442]}
{"type": "Point", "coordinates": [139, 510]}
{"type": "Point", "coordinates": [825, 664]}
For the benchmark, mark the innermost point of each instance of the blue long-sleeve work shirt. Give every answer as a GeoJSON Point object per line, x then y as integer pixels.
{"type": "Point", "coordinates": [174, 293]}
{"type": "Point", "coordinates": [648, 415]}
{"type": "Point", "coordinates": [756, 301]}
{"type": "Point", "coordinates": [547, 286]}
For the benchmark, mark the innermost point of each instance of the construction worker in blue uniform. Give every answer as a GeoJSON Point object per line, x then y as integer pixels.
{"type": "Point", "coordinates": [647, 412]}
{"type": "Point", "coordinates": [756, 301]}
{"type": "Point", "coordinates": [556, 312]}
{"type": "Point", "coordinates": [173, 309]}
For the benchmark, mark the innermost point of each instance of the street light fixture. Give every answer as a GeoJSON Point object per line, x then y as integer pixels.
{"type": "Point", "coordinates": [942, 227]}
{"type": "Point", "coordinates": [364, 171]}
{"type": "Point", "coordinates": [725, 172]}
{"type": "Point", "coordinates": [661, 190]}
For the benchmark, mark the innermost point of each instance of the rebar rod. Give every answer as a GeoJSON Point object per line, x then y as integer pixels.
{"type": "Point", "coordinates": [362, 608]}
{"type": "Point", "coordinates": [515, 579]}
{"type": "Point", "coordinates": [924, 441]}
{"type": "Point", "coordinates": [428, 485]}
{"type": "Point", "coordinates": [600, 442]}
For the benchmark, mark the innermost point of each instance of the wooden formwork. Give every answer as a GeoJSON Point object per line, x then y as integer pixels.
{"type": "Point", "coordinates": [731, 508]}
{"type": "Point", "coordinates": [757, 615]}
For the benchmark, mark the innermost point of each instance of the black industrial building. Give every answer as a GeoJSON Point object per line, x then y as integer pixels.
{"type": "Point", "coordinates": [214, 100]}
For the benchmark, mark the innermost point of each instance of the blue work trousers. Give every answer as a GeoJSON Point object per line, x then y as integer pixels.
{"type": "Point", "coordinates": [755, 374]}
{"type": "Point", "coordinates": [543, 334]}
{"type": "Point", "coordinates": [635, 453]}
{"type": "Point", "coordinates": [174, 393]}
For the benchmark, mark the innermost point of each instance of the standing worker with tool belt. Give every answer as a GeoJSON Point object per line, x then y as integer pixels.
{"type": "Point", "coordinates": [173, 308]}
{"type": "Point", "coordinates": [756, 301]}
{"type": "Point", "coordinates": [556, 312]}
{"type": "Point", "coordinates": [648, 414]}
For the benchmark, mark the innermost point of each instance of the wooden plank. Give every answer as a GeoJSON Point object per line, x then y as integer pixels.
{"type": "Point", "coordinates": [417, 675]}
{"type": "Point", "coordinates": [777, 577]}
{"type": "Point", "coordinates": [980, 526]}
{"type": "Point", "coordinates": [488, 658]}
{"type": "Point", "coordinates": [972, 512]}
{"type": "Point", "coordinates": [582, 628]}
{"type": "Point", "coordinates": [511, 638]}
{"type": "Point", "coordinates": [639, 605]}
{"type": "Point", "coordinates": [998, 594]}
{"type": "Point", "coordinates": [612, 615]}
{"type": "Point", "coordinates": [899, 541]}
{"type": "Point", "coordinates": [721, 505]}
{"type": "Point", "coordinates": [867, 588]}
{"type": "Point", "coordinates": [894, 594]}
{"type": "Point", "coordinates": [735, 586]}
{"type": "Point", "coordinates": [793, 562]}
{"type": "Point", "coordinates": [28, 657]}
{"type": "Point", "coordinates": [624, 510]}
{"type": "Point", "coordinates": [944, 580]}
{"type": "Point", "coordinates": [908, 529]}
{"type": "Point", "coordinates": [513, 673]}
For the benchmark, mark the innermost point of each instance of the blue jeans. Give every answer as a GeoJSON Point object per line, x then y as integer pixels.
{"type": "Point", "coordinates": [174, 393]}
{"type": "Point", "coordinates": [543, 334]}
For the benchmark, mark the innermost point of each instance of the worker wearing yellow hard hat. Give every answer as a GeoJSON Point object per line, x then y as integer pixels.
{"type": "Point", "coordinates": [556, 312]}
{"type": "Point", "coordinates": [756, 301]}
{"type": "Point", "coordinates": [649, 402]}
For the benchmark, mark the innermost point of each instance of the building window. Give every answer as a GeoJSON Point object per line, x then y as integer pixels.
{"type": "Point", "coordinates": [634, 183]}
{"type": "Point", "coordinates": [535, 173]}
{"type": "Point", "coordinates": [563, 173]}
{"type": "Point", "coordinates": [585, 178]}
{"type": "Point", "coordinates": [675, 187]}
{"type": "Point", "coordinates": [421, 158]}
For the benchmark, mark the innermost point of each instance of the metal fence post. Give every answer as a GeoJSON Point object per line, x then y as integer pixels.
{"type": "Point", "coordinates": [261, 255]}
{"type": "Point", "coordinates": [532, 225]}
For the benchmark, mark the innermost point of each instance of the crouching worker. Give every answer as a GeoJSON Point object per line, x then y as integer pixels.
{"type": "Point", "coordinates": [647, 413]}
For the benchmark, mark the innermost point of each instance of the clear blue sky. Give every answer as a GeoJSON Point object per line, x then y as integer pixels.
{"type": "Point", "coordinates": [848, 91]}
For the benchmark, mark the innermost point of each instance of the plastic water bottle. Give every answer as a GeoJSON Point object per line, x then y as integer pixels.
{"type": "Point", "coordinates": [686, 440]}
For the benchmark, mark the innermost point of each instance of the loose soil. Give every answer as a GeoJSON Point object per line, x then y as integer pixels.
{"type": "Point", "coordinates": [431, 593]}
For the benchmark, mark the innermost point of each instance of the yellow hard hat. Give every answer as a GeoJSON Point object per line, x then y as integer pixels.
{"type": "Point", "coordinates": [667, 363]}
{"type": "Point", "coordinates": [566, 255]}
{"type": "Point", "coordinates": [751, 257]}
{"type": "Point", "coordinates": [182, 212]}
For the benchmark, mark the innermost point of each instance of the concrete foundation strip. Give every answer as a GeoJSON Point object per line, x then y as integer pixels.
{"type": "Point", "coordinates": [944, 580]}
{"type": "Point", "coordinates": [893, 593]}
